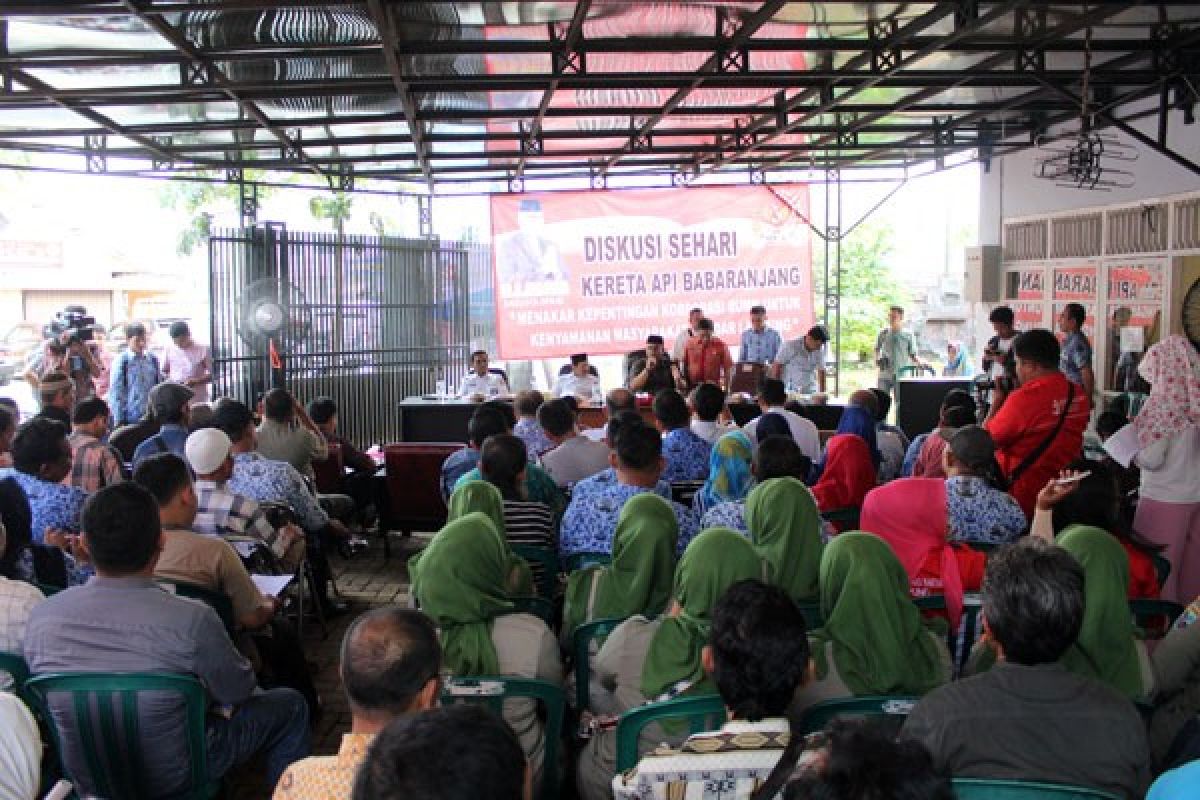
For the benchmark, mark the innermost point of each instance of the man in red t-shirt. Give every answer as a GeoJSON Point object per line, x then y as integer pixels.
{"type": "Point", "coordinates": [706, 359]}
{"type": "Point", "coordinates": [1022, 420]}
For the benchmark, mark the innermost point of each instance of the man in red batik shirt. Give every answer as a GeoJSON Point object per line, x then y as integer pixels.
{"type": "Point", "coordinates": [706, 358]}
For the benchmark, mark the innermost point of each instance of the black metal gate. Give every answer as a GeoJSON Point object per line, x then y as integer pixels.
{"type": "Point", "coordinates": [368, 320]}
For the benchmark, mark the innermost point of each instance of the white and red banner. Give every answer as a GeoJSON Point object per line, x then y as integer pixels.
{"type": "Point", "coordinates": [598, 271]}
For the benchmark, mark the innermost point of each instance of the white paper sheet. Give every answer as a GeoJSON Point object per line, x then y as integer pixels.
{"type": "Point", "coordinates": [1123, 445]}
{"type": "Point", "coordinates": [245, 549]}
{"type": "Point", "coordinates": [271, 585]}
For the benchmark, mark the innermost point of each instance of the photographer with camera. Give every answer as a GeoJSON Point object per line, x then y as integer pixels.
{"type": "Point", "coordinates": [998, 358]}
{"type": "Point", "coordinates": [66, 351]}
{"type": "Point", "coordinates": [1038, 426]}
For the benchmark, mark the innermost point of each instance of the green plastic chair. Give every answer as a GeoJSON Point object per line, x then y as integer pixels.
{"type": "Point", "coordinates": [846, 517]}
{"type": "Point", "coordinates": [985, 789]}
{"type": "Point", "coordinates": [895, 706]}
{"type": "Point", "coordinates": [705, 713]}
{"type": "Point", "coordinates": [972, 608]}
{"type": "Point", "coordinates": [105, 716]}
{"type": "Point", "coordinates": [812, 615]}
{"type": "Point", "coordinates": [548, 560]}
{"type": "Point", "coordinates": [910, 371]}
{"type": "Point", "coordinates": [1162, 568]}
{"type": "Point", "coordinates": [540, 607]}
{"type": "Point", "coordinates": [493, 690]}
{"type": "Point", "coordinates": [683, 491]}
{"type": "Point", "coordinates": [13, 665]}
{"type": "Point", "coordinates": [217, 601]}
{"type": "Point", "coordinates": [1148, 612]}
{"type": "Point", "coordinates": [933, 602]}
{"type": "Point", "coordinates": [581, 641]}
{"type": "Point", "coordinates": [584, 560]}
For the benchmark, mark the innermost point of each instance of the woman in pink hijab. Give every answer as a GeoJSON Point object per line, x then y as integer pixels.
{"type": "Point", "coordinates": [1168, 432]}
{"type": "Point", "coordinates": [910, 514]}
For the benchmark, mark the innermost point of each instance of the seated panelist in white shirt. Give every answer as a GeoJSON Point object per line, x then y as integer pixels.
{"type": "Point", "coordinates": [579, 382]}
{"type": "Point", "coordinates": [480, 384]}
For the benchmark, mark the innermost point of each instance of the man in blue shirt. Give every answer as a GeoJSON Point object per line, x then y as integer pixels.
{"type": "Point", "coordinates": [1075, 358]}
{"type": "Point", "coordinates": [527, 428]}
{"type": "Point", "coordinates": [759, 343]}
{"type": "Point", "coordinates": [169, 403]}
{"type": "Point", "coordinates": [134, 374]}
{"type": "Point", "coordinates": [42, 458]}
{"type": "Point", "coordinates": [591, 518]}
{"type": "Point", "coordinates": [686, 453]}
{"type": "Point", "coordinates": [485, 422]}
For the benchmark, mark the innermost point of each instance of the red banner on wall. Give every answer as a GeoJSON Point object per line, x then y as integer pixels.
{"type": "Point", "coordinates": [1029, 315]}
{"type": "Point", "coordinates": [1076, 283]}
{"type": "Point", "coordinates": [597, 272]}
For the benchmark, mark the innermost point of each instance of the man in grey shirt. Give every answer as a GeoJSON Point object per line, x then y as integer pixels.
{"type": "Point", "coordinates": [1028, 718]}
{"type": "Point", "coordinates": [287, 434]}
{"type": "Point", "coordinates": [121, 621]}
{"type": "Point", "coordinates": [573, 457]}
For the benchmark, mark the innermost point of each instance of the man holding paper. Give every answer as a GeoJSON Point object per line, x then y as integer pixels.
{"type": "Point", "coordinates": [212, 563]}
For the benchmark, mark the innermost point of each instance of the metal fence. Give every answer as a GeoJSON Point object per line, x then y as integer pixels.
{"type": "Point", "coordinates": [368, 320]}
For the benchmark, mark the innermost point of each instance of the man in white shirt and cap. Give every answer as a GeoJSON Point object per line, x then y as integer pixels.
{"type": "Point", "coordinates": [480, 384]}
{"type": "Point", "coordinates": [579, 382]}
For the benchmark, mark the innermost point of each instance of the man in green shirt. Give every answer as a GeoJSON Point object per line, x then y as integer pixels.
{"type": "Point", "coordinates": [895, 349]}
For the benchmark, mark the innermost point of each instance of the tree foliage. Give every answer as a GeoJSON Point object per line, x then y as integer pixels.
{"type": "Point", "coordinates": [201, 201]}
{"type": "Point", "coordinates": [335, 207]}
{"type": "Point", "coordinates": [869, 285]}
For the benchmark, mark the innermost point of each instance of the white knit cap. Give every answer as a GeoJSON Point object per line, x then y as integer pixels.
{"type": "Point", "coordinates": [206, 450]}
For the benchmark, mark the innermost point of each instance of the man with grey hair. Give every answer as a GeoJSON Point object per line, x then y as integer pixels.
{"type": "Point", "coordinates": [1029, 718]}
{"type": "Point", "coordinates": [390, 665]}
{"type": "Point", "coordinates": [616, 401]}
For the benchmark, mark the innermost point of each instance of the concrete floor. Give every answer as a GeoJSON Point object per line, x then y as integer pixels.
{"type": "Point", "coordinates": [368, 581]}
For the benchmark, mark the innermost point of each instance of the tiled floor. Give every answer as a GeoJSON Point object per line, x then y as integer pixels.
{"type": "Point", "coordinates": [368, 581]}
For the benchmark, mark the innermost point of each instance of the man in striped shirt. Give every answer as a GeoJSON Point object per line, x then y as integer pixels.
{"type": "Point", "coordinates": [94, 464]}
{"type": "Point", "coordinates": [220, 512]}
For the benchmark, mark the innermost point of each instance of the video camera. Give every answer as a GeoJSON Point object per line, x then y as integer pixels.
{"type": "Point", "coordinates": [986, 383]}
{"type": "Point", "coordinates": [73, 320]}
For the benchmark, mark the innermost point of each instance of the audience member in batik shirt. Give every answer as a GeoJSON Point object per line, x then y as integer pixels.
{"type": "Point", "coordinates": [686, 453]}
{"type": "Point", "coordinates": [527, 428]}
{"type": "Point", "coordinates": [757, 655]}
{"type": "Point", "coordinates": [591, 518]}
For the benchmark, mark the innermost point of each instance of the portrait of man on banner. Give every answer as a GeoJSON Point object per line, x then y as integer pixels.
{"type": "Point", "coordinates": [528, 259]}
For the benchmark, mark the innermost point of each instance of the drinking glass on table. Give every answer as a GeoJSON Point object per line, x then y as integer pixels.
{"type": "Point", "coordinates": [441, 390]}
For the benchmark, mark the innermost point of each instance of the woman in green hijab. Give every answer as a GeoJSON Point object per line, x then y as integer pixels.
{"type": "Point", "coordinates": [712, 562]}
{"type": "Point", "coordinates": [639, 579]}
{"type": "Point", "coordinates": [873, 640]}
{"type": "Point", "coordinates": [785, 527]}
{"type": "Point", "coordinates": [1105, 648]}
{"type": "Point", "coordinates": [481, 496]}
{"type": "Point", "coordinates": [647, 660]}
{"type": "Point", "coordinates": [461, 587]}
